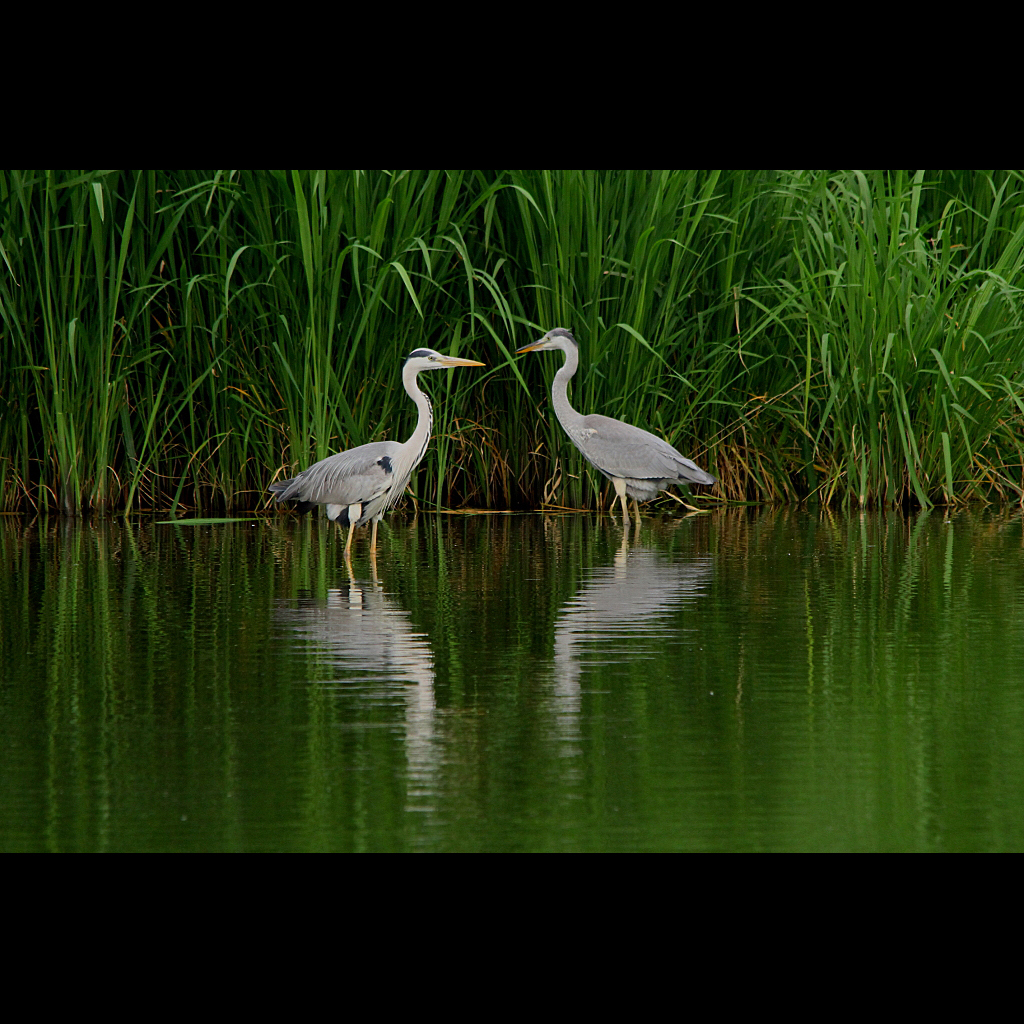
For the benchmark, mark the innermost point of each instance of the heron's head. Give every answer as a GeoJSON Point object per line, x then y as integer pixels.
{"type": "Point", "coordinates": [558, 338]}
{"type": "Point", "coordinates": [428, 359]}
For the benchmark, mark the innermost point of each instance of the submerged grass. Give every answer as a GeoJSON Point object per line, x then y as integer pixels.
{"type": "Point", "coordinates": [176, 339]}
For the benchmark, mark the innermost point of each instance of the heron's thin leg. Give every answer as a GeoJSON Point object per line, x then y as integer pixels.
{"type": "Point", "coordinates": [348, 543]}
{"type": "Point", "coordinates": [636, 510]}
{"type": "Point", "coordinates": [373, 538]}
{"type": "Point", "coordinates": [620, 490]}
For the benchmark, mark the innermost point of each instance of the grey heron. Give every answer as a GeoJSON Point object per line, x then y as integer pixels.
{"type": "Point", "coordinates": [636, 461]}
{"type": "Point", "coordinates": [361, 484]}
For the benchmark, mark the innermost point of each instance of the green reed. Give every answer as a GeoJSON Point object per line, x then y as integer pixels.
{"type": "Point", "coordinates": [907, 342]}
{"type": "Point", "coordinates": [180, 338]}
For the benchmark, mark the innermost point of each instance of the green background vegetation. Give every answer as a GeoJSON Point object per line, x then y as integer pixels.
{"type": "Point", "coordinates": [180, 338]}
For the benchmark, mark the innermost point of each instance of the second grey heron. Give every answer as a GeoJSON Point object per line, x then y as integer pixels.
{"type": "Point", "coordinates": [361, 484]}
{"type": "Point", "coordinates": [636, 461]}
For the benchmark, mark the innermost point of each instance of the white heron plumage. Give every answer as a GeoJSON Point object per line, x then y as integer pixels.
{"type": "Point", "coordinates": [640, 464]}
{"type": "Point", "coordinates": [361, 484]}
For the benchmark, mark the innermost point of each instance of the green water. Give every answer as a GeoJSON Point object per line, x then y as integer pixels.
{"type": "Point", "coordinates": [745, 680]}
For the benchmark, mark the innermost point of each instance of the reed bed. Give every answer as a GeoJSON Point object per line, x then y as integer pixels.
{"type": "Point", "coordinates": [178, 339]}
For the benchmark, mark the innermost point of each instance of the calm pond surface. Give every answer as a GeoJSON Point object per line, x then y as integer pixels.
{"type": "Point", "coordinates": [743, 680]}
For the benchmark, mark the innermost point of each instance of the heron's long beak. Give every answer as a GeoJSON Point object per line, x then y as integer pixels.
{"type": "Point", "coordinates": [456, 361]}
{"type": "Point", "coordinates": [532, 347]}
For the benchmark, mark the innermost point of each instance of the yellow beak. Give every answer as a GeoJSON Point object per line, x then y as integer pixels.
{"type": "Point", "coordinates": [456, 361]}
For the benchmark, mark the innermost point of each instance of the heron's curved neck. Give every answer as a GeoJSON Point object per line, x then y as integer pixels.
{"type": "Point", "coordinates": [566, 414]}
{"type": "Point", "coordinates": [417, 444]}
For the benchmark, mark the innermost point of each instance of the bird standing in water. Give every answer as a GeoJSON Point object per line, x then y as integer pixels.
{"type": "Point", "coordinates": [361, 484]}
{"type": "Point", "coordinates": [637, 462]}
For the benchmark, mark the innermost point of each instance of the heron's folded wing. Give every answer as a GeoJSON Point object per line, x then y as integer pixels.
{"type": "Point", "coordinates": [622, 450]}
{"type": "Point", "coordinates": [355, 476]}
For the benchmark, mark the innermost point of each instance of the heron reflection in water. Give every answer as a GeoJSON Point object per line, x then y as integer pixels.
{"type": "Point", "coordinates": [621, 613]}
{"type": "Point", "coordinates": [379, 657]}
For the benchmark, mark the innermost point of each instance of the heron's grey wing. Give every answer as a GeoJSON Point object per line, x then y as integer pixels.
{"type": "Point", "coordinates": [621, 450]}
{"type": "Point", "coordinates": [356, 476]}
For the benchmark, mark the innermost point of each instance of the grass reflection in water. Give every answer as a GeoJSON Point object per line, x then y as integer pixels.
{"type": "Point", "coordinates": [744, 680]}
